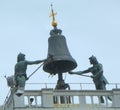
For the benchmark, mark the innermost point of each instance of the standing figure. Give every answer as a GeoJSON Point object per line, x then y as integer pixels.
{"type": "Point", "coordinates": [97, 75]}
{"type": "Point", "coordinates": [20, 75]}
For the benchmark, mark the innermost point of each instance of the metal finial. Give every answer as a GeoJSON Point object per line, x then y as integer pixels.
{"type": "Point", "coordinates": [54, 23]}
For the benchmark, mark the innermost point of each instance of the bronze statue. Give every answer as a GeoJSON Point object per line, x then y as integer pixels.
{"type": "Point", "coordinates": [20, 72]}
{"type": "Point", "coordinates": [97, 75]}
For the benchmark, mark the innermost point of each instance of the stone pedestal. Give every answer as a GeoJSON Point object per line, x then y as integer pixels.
{"type": "Point", "coordinates": [116, 98]}
{"type": "Point", "coordinates": [18, 101]}
{"type": "Point", "coordinates": [47, 98]}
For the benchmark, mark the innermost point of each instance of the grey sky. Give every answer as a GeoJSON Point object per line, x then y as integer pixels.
{"type": "Point", "coordinates": [91, 27]}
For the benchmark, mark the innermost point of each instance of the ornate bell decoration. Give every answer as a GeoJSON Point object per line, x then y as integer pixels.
{"type": "Point", "coordinates": [59, 58]}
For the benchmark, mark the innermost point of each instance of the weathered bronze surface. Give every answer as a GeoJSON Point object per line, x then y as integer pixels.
{"type": "Point", "coordinates": [59, 57]}
{"type": "Point", "coordinates": [97, 75]}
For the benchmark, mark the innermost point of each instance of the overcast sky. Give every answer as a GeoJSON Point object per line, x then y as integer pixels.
{"type": "Point", "coordinates": [91, 27]}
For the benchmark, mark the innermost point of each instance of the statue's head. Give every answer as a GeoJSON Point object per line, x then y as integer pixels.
{"type": "Point", "coordinates": [20, 57]}
{"type": "Point", "coordinates": [93, 60]}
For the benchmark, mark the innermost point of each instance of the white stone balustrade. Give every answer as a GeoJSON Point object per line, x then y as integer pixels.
{"type": "Point", "coordinates": [74, 99]}
{"type": "Point", "coordinates": [45, 99]}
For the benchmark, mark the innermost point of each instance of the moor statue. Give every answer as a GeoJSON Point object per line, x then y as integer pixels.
{"type": "Point", "coordinates": [20, 75]}
{"type": "Point", "coordinates": [97, 75]}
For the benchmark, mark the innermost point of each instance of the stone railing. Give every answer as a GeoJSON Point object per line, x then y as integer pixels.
{"type": "Point", "coordinates": [73, 86]}
{"type": "Point", "coordinates": [49, 98]}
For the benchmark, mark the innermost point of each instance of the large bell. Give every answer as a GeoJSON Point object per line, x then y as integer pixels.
{"type": "Point", "coordinates": [59, 58]}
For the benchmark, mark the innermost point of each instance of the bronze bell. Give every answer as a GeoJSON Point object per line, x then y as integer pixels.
{"type": "Point", "coordinates": [59, 58]}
